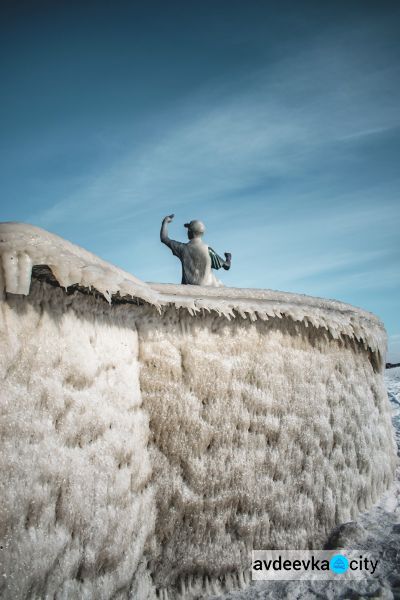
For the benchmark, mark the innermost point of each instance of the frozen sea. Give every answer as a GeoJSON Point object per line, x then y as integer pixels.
{"type": "Point", "coordinates": [376, 531]}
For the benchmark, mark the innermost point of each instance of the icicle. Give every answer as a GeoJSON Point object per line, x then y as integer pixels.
{"type": "Point", "coordinates": [17, 269]}
{"type": "Point", "coordinates": [10, 268]}
{"type": "Point", "coordinates": [22, 246]}
{"type": "Point", "coordinates": [2, 282]}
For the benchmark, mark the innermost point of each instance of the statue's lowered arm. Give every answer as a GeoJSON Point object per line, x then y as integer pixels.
{"type": "Point", "coordinates": [228, 261]}
{"type": "Point", "coordinates": [217, 261]}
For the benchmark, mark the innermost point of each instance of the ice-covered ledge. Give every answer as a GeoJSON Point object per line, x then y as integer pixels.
{"type": "Point", "coordinates": [336, 317]}
{"type": "Point", "coordinates": [23, 247]}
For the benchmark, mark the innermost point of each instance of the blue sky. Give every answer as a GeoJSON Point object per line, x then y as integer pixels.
{"type": "Point", "coordinates": [278, 124]}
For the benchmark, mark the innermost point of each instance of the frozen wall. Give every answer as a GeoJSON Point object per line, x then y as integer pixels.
{"type": "Point", "coordinates": [76, 505]}
{"type": "Point", "coordinates": [264, 435]}
{"type": "Point", "coordinates": [149, 444]}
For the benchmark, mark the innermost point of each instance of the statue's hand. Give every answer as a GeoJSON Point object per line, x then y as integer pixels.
{"type": "Point", "coordinates": [228, 256]}
{"type": "Point", "coordinates": [168, 218]}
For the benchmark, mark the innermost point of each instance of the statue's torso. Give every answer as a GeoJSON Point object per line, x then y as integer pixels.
{"type": "Point", "coordinates": [196, 264]}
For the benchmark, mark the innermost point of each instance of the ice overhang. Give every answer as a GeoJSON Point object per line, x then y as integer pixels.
{"type": "Point", "coordinates": [25, 249]}
{"type": "Point", "coordinates": [22, 247]}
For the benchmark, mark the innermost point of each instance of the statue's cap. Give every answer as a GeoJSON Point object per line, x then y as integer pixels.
{"type": "Point", "coordinates": [196, 226]}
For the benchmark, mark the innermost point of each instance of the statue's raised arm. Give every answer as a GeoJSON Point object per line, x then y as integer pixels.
{"type": "Point", "coordinates": [196, 257]}
{"type": "Point", "coordinates": [164, 229]}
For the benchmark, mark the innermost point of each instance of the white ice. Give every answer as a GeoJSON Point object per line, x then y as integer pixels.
{"type": "Point", "coordinates": [148, 447]}
{"type": "Point", "coordinates": [22, 246]}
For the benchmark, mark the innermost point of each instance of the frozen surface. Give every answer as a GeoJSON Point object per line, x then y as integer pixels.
{"type": "Point", "coordinates": [280, 432]}
{"type": "Point", "coordinates": [23, 246]}
{"type": "Point", "coordinates": [392, 381]}
{"type": "Point", "coordinates": [76, 502]}
{"type": "Point", "coordinates": [376, 531]}
{"type": "Point", "coordinates": [148, 446]}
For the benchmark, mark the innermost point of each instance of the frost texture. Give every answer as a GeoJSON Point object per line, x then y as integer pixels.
{"type": "Point", "coordinates": [375, 531]}
{"type": "Point", "coordinates": [23, 246]}
{"type": "Point", "coordinates": [149, 447]}
{"type": "Point", "coordinates": [76, 502]}
{"type": "Point", "coordinates": [264, 435]}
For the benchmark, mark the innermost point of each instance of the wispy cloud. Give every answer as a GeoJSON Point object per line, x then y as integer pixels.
{"type": "Point", "coordinates": [286, 117]}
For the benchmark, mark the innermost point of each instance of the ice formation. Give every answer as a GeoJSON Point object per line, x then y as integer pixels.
{"type": "Point", "coordinates": [154, 436]}
{"type": "Point", "coordinates": [375, 532]}
{"type": "Point", "coordinates": [24, 246]}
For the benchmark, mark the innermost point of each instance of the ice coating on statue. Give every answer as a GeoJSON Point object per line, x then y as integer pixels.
{"type": "Point", "coordinates": [197, 258]}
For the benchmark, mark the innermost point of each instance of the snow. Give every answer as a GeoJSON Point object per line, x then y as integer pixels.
{"type": "Point", "coordinates": [149, 446]}
{"type": "Point", "coordinates": [392, 381]}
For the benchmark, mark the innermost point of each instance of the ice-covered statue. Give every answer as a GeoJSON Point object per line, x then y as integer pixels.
{"type": "Point", "coordinates": [197, 258]}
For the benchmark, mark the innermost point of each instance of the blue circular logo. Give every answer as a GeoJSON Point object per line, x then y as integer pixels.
{"type": "Point", "coordinates": [338, 564]}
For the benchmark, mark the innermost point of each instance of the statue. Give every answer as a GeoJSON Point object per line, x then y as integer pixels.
{"type": "Point", "coordinates": [196, 257]}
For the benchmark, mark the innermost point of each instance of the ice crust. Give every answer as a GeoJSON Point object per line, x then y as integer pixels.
{"type": "Point", "coordinates": [148, 447]}
{"type": "Point", "coordinates": [22, 246]}
{"type": "Point", "coordinates": [77, 506]}
{"type": "Point", "coordinates": [375, 532]}
{"type": "Point", "coordinates": [280, 432]}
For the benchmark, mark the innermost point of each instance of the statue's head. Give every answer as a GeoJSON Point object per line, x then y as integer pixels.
{"type": "Point", "coordinates": [195, 229]}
